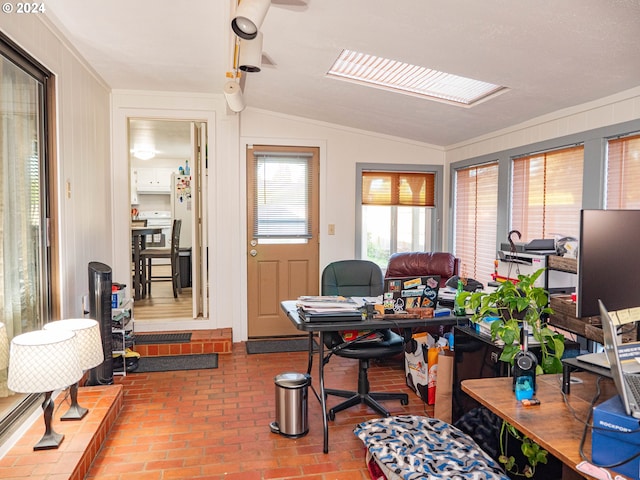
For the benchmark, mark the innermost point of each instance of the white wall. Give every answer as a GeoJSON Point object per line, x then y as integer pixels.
{"type": "Point", "coordinates": [83, 156]}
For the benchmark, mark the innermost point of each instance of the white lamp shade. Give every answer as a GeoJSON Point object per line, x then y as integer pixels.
{"type": "Point", "coordinates": [250, 58]}
{"type": "Point", "coordinates": [233, 94]}
{"type": "Point", "coordinates": [249, 17]}
{"type": "Point", "coordinates": [4, 347]}
{"type": "Point", "coordinates": [43, 361]}
{"type": "Point", "coordinates": [88, 339]}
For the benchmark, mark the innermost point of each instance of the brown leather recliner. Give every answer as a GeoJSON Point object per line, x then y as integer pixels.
{"type": "Point", "coordinates": [407, 264]}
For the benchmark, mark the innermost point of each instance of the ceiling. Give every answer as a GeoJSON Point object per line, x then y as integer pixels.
{"type": "Point", "coordinates": [550, 54]}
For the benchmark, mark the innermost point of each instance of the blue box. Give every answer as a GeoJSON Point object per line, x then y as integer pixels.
{"type": "Point", "coordinates": [609, 444]}
{"type": "Point", "coordinates": [117, 298]}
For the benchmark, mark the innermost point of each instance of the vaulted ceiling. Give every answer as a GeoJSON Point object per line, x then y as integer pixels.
{"type": "Point", "coordinates": [550, 54]}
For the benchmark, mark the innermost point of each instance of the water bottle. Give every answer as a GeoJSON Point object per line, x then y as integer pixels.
{"type": "Point", "coordinates": [459, 310]}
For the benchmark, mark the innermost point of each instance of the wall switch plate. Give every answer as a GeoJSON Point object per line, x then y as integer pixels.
{"type": "Point", "coordinates": [332, 229]}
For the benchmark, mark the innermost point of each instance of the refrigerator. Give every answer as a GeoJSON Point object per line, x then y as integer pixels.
{"type": "Point", "coordinates": [182, 207]}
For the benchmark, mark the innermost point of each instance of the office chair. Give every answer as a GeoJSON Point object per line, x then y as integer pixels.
{"type": "Point", "coordinates": [360, 278]}
{"type": "Point", "coordinates": [172, 253]}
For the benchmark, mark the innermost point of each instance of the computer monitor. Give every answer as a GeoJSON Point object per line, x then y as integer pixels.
{"type": "Point", "coordinates": [608, 261]}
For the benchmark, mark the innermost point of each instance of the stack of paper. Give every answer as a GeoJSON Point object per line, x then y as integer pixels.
{"type": "Point", "coordinates": [327, 304]}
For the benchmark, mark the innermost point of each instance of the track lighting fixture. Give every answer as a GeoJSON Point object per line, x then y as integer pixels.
{"type": "Point", "coordinates": [233, 95]}
{"type": "Point", "coordinates": [249, 17]}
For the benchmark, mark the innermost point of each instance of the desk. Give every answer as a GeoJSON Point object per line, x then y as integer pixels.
{"type": "Point", "coordinates": [289, 307]}
{"type": "Point", "coordinates": [138, 240]}
{"type": "Point", "coordinates": [551, 424]}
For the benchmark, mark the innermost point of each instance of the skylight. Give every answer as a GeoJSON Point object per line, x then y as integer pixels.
{"type": "Point", "coordinates": [410, 79]}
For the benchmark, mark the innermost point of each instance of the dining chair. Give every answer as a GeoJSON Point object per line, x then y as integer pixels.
{"type": "Point", "coordinates": [172, 253]}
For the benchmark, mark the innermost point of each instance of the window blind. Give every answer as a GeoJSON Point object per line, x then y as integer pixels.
{"type": "Point", "coordinates": [623, 173]}
{"type": "Point", "coordinates": [546, 195]}
{"type": "Point", "coordinates": [475, 223]}
{"type": "Point", "coordinates": [398, 189]}
{"type": "Point", "coordinates": [282, 186]}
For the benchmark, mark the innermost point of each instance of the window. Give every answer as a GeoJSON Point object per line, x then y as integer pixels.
{"type": "Point", "coordinates": [282, 191]}
{"type": "Point", "coordinates": [396, 211]}
{"type": "Point", "coordinates": [475, 222]}
{"type": "Point", "coordinates": [25, 280]}
{"type": "Point", "coordinates": [546, 193]}
{"type": "Point", "coordinates": [623, 173]}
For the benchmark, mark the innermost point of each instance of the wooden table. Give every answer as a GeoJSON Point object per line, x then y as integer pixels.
{"type": "Point", "coordinates": [138, 240]}
{"type": "Point", "coordinates": [550, 424]}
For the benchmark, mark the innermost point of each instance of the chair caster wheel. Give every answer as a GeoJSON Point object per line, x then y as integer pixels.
{"type": "Point", "coordinates": [404, 402]}
{"type": "Point", "coordinates": [332, 415]}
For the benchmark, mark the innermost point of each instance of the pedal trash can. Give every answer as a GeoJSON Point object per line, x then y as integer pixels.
{"type": "Point", "coordinates": [291, 404]}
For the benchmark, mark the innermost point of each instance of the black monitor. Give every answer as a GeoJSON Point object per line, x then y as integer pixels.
{"type": "Point", "coordinates": [608, 261]}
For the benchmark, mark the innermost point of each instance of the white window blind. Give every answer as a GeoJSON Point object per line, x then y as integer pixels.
{"type": "Point", "coordinates": [475, 223]}
{"type": "Point", "coordinates": [283, 193]}
{"type": "Point", "coordinates": [546, 195]}
{"type": "Point", "coordinates": [623, 173]}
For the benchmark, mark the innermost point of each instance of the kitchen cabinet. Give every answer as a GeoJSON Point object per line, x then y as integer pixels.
{"type": "Point", "coordinates": [152, 180]}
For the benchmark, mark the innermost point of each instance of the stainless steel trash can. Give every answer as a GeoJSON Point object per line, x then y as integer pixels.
{"type": "Point", "coordinates": [291, 404]}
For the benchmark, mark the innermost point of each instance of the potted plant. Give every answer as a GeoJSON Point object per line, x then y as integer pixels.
{"type": "Point", "coordinates": [512, 305]}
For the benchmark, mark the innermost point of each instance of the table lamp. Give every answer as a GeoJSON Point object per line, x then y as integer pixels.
{"type": "Point", "coordinates": [4, 347]}
{"type": "Point", "coordinates": [89, 350]}
{"type": "Point", "coordinates": [44, 361]}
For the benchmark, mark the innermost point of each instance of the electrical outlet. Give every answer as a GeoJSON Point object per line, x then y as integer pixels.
{"type": "Point", "coordinates": [332, 229]}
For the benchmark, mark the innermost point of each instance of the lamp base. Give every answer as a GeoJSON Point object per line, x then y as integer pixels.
{"type": "Point", "coordinates": [49, 441]}
{"type": "Point", "coordinates": [75, 412]}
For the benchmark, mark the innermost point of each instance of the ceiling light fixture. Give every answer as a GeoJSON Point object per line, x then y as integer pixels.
{"type": "Point", "coordinates": [144, 154]}
{"type": "Point", "coordinates": [250, 56]}
{"type": "Point", "coordinates": [410, 79]}
{"type": "Point", "coordinates": [249, 17]}
{"type": "Point", "coordinates": [233, 95]}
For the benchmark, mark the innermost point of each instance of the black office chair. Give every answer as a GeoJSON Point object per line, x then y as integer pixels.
{"type": "Point", "coordinates": [360, 278]}
{"type": "Point", "coordinates": [172, 253]}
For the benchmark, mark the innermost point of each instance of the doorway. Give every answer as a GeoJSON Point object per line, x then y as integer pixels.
{"type": "Point", "coordinates": [167, 170]}
{"type": "Point", "coordinates": [282, 234]}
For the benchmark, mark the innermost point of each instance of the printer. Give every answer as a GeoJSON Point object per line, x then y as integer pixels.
{"type": "Point", "coordinates": [526, 258]}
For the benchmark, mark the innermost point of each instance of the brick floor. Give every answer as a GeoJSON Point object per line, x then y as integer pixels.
{"type": "Point", "coordinates": [214, 424]}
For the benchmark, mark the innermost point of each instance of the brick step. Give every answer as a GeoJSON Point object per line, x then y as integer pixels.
{"type": "Point", "coordinates": [202, 341]}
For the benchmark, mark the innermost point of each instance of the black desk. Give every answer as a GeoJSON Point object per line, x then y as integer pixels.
{"type": "Point", "coordinates": [289, 307]}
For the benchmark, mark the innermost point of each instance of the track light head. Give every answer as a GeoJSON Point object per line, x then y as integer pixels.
{"type": "Point", "coordinates": [250, 57]}
{"type": "Point", "coordinates": [234, 97]}
{"type": "Point", "coordinates": [249, 17]}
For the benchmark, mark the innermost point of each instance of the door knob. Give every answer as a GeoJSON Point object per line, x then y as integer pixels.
{"type": "Point", "coordinates": [253, 252]}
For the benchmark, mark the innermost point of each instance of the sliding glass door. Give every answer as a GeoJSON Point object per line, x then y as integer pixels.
{"type": "Point", "coordinates": [24, 272]}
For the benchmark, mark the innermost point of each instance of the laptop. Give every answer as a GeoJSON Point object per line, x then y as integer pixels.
{"type": "Point", "coordinates": [599, 359]}
{"type": "Point", "coordinates": [627, 384]}
{"type": "Point", "coordinates": [401, 293]}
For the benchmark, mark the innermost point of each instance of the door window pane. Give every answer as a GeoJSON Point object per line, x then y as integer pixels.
{"type": "Point", "coordinates": [282, 191]}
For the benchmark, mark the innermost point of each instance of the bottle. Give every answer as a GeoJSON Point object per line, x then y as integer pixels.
{"type": "Point", "coordinates": [187, 170]}
{"type": "Point", "coordinates": [459, 310]}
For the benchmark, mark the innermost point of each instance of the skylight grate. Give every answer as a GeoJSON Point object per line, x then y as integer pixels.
{"type": "Point", "coordinates": [410, 79]}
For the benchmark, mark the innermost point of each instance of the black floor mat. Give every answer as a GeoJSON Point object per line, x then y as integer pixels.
{"type": "Point", "coordinates": [159, 338]}
{"type": "Point", "coordinates": [177, 362]}
{"type": "Point", "coordinates": [276, 346]}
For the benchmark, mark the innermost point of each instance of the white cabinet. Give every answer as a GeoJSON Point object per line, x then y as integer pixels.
{"type": "Point", "coordinates": [152, 180]}
{"type": "Point", "coordinates": [122, 335]}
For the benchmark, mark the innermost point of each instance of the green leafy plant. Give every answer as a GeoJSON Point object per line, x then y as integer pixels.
{"type": "Point", "coordinates": [513, 304]}
{"type": "Point", "coordinates": [530, 449]}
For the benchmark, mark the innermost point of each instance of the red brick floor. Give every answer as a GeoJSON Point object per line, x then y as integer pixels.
{"type": "Point", "coordinates": [214, 424]}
